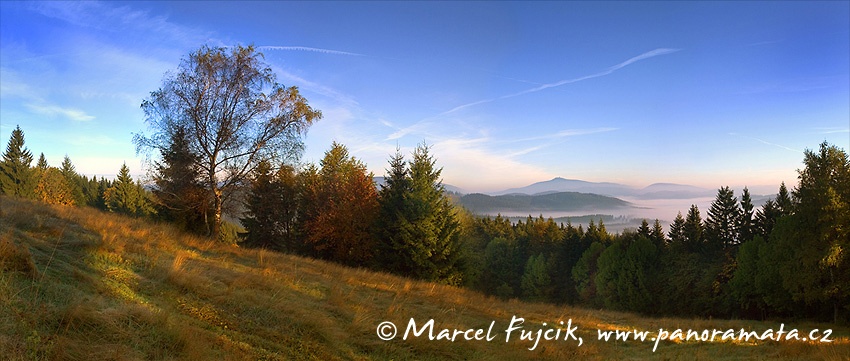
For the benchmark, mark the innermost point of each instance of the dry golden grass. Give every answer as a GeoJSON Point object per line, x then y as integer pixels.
{"type": "Point", "coordinates": [78, 284]}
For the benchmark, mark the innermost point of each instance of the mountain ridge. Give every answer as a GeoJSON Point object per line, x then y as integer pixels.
{"type": "Point", "coordinates": [661, 190]}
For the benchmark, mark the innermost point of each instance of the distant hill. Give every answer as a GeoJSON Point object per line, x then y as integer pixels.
{"type": "Point", "coordinates": [571, 185]}
{"type": "Point", "coordinates": [653, 191]}
{"type": "Point", "coordinates": [549, 202]}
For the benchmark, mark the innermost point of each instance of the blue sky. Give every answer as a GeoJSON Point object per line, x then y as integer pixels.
{"type": "Point", "coordinates": [507, 94]}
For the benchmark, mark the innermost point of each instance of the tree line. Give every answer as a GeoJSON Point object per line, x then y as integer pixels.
{"type": "Point", "coordinates": [225, 139]}
{"type": "Point", "coordinates": [786, 259]}
{"type": "Point", "coordinates": [63, 185]}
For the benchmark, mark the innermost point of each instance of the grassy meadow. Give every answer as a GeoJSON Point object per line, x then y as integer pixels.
{"type": "Point", "coordinates": [80, 284]}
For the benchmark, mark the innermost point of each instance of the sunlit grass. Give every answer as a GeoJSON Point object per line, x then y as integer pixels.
{"type": "Point", "coordinates": [78, 284]}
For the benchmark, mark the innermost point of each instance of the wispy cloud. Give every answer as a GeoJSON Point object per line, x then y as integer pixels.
{"type": "Point", "coordinates": [123, 19]}
{"type": "Point", "coordinates": [14, 86]}
{"type": "Point", "coordinates": [53, 110]}
{"type": "Point", "coordinates": [553, 138]}
{"type": "Point", "coordinates": [832, 130]}
{"type": "Point", "coordinates": [649, 54]}
{"type": "Point", "coordinates": [305, 48]}
{"type": "Point", "coordinates": [315, 87]}
{"type": "Point", "coordinates": [610, 70]}
{"type": "Point", "coordinates": [567, 133]}
{"type": "Point", "coordinates": [766, 142]}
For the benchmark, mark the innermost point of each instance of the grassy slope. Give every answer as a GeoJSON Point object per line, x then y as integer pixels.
{"type": "Point", "coordinates": [81, 284]}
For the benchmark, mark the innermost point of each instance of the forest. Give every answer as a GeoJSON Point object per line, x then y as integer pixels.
{"type": "Point", "coordinates": [224, 165]}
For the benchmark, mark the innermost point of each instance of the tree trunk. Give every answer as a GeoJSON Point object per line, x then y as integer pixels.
{"type": "Point", "coordinates": [835, 312]}
{"type": "Point", "coordinates": [216, 227]}
{"type": "Point", "coordinates": [217, 201]}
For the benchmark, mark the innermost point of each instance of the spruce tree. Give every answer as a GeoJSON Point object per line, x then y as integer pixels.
{"type": "Point", "coordinates": [584, 274]}
{"type": "Point", "coordinates": [657, 235]}
{"type": "Point", "coordinates": [746, 222]}
{"type": "Point", "coordinates": [179, 194]}
{"type": "Point", "coordinates": [417, 226]}
{"type": "Point", "coordinates": [126, 196]}
{"type": "Point", "coordinates": [693, 230]}
{"type": "Point", "coordinates": [643, 230]}
{"type": "Point", "coordinates": [42, 162]}
{"type": "Point", "coordinates": [271, 209]}
{"type": "Point", "coordinates": [72, 180]}
{"type": "Point", "coordinates": [783, 201]}
{"type": "Point", "coordinates": [820, 270]}
{"type": "Point", "coordinates": [499, 274]}
{"type": "Point", "coordinates": [393, 227]}
{"type": "Point", "coordinates": [535, 282]}
{"type": "Point", "coordinates": [626, 274]}
{"type": "Point", "coordinates": [677, 231]}
{"type": "Point", "coordinates": [435, 224]}
{"type": "Point", "coordinates": [721, 225]}
{"type": "Point", "coordinates": [765, 218]}
{"type": "Point", "coordinates": [16, 177]}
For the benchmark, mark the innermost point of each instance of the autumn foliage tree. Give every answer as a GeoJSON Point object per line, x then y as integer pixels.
{"type": "Point", "coordinates": [52, 187]}
{"type": "Point", "coordinates": [340, 204]}
{"type": "Point", "coordinates": [235, 116]}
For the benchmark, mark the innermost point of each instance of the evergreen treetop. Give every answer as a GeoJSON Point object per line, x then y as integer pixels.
{"type": "Point", "coordinates": [16, 177]}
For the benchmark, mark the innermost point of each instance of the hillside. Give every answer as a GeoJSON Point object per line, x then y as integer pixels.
{"type": "Point", "coordinates": [546, 202]}
{"type": "Point", "coordinates": [78, 284]}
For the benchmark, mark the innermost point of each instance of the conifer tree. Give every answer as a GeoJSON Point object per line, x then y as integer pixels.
{"type": "Point", "coordinates": [417, 224]}
{"type": "Point", "coordinates": [499, 273]}
{"type": "Point", "coordinates": [126, 196]}
{"type": "Point", "coordinates": [584, 273]}
{"type": "Point", "coordinates": [16, 178]}
{"type": "Point", "coordinates": [746, 222]}
{"type": "Point", "coordinates": [179, 194]}
{"type": "Point", "coordinates": [677, 231]}
{"type": "Point", "coordinates": [536, 283]}
{"type": "Point", "coordinates": [72, 179]}
{"type": "Point", "coordinates": [272, 208]}
{"type": "Point", "coordinates": [693, 230]}
{"type": "Point", "coordinates": [392, 228]}
{"type": "Point", "coordinates": [643, 230]}
{"type": "Point", "coordinates": [657, 235]}
{"type": "Point", "coordinates": [820, 269]}
{"type": "Point", "coordinates": [765, 218]}
{"type": "Point", "coordinates": [721, 225]}
{"type": "Point", "coordinates": [42, 162]}
{"type": "Point", "coordinates": [626, 274]}
{"type": "Point", "coordinates": [783, 201]}
{"type": "Point", "coordinates": [435, 224]}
